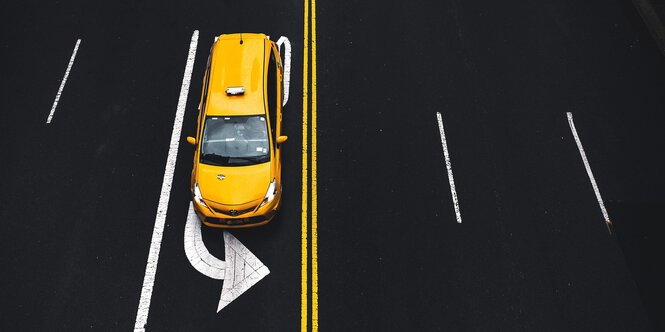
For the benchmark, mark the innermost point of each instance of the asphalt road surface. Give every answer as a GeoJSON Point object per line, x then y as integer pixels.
{"type": "Point", "coordinates": [367, 186]}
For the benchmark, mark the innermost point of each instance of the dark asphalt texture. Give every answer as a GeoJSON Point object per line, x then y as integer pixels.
{"type": "Point", "coordinates": [79, 196]}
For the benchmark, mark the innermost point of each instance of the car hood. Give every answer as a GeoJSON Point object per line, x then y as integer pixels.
{"type": "Point", "coordinates": [240, 184]}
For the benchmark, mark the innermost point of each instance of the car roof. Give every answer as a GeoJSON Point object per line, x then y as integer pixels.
{"type": "Point", "coordinates": [235, 64]}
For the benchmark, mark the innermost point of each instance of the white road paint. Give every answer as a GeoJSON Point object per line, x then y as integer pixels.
{"type": "Point", "coordinates": [64, 80]}
{"type": "Point", "coordinates": [160, 218]}
{"type": "Point", "coordinates": [287, 65]}
{"type": "Point", "coordinates": [197, 253]}
{"type": "Point", "coordinates": [571, 123]}
{"type": "Point", "coordinates": [449, 167]}
{"type": "Point", "coordinates": [243, 270]}
{"type": "Point", "coordinates": [240, 270]}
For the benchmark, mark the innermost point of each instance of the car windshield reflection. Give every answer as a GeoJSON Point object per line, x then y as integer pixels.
{"type": "Point", "coordinates": [235, 141]}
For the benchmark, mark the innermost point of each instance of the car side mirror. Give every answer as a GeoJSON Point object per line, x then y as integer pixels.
{"type": "Point", "coordinates": [191, 140]}
{"type": "Point", "coordinates": [282, 139]}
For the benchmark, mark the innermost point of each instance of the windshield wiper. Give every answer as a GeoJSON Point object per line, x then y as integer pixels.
{"type": "Point", "coordinates": [215, 159]}
{"type": "Point", "coordinates": [218, 160]}
{"type": "Point", "coordinates": [254, 159]}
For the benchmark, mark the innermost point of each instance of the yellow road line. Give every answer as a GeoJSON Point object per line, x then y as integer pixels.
{"type": "Point", "coordinates": [303, 244]}
{"type": "Point", "coordinates": [315, 257]}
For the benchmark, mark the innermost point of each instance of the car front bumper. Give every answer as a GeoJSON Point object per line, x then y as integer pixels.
{"type": "Point", "coordinates": [261, 216]}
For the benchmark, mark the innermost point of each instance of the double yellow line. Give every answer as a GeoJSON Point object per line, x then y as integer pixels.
{"type": "Point", "coordinates": [309, 18]}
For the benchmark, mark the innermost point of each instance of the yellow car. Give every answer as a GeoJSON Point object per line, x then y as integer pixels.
{"type": "Point", "coordinates": [236, 180]}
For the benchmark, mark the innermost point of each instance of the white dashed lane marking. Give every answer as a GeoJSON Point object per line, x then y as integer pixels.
{"type": "Point", "coordinates": [64, 80]}
{"type": "Point", "coordinates": [571, 123]}
{"type": "Point", "coordinates": [449, 168]}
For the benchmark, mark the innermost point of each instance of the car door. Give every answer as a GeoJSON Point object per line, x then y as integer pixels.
{"type": "Point", "coordinates": [274, 102]}
{"type": "Point", "coordinates": [201, 117]}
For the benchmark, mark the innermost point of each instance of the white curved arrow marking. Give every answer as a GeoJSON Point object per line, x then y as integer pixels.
{"type": "Point", "coordinates": [196, 251]}
{"type": "Point", "coordinates": [240, 270]}
{"type": "Point", "coordinates": [287, 65]}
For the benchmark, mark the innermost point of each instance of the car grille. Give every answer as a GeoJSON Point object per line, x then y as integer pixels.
{"type": "Point", "coordinates": [238, 213]}
{"type": "Point", "coordinates": [237, 221]}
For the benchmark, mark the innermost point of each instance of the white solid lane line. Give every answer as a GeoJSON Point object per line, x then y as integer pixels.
{"type": "Point", "coordinates": [449, 167]}
{"type": "Point", "coordinates": [160, 218]}
{"type": "Point", "coordinates": [571, 123]}
{"type": "Point", "coordinates": [64, 80]}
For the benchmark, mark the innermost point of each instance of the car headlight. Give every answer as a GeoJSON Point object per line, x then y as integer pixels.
{"type": "Point", "coordinates": [197, 195]}
{"type": "Point", "coordinates": [270, 194]}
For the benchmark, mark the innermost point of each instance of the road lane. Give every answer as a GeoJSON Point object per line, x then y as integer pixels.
{"type": "Point", "coordinates": [528, 256]}
{"type": "Point", "coordinates": [183, 298]}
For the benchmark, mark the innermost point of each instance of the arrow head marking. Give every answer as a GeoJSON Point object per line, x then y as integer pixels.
{"type": "Point", "coordinates": [243, 270]}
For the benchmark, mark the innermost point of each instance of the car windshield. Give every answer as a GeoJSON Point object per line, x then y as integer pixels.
{"type": "Point", "coordinates": [235, 141]}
